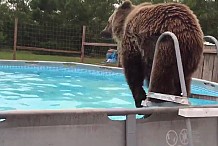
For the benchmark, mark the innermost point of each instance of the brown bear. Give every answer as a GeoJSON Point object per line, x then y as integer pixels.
{"type": "Point", "coordinates": [136, 30]}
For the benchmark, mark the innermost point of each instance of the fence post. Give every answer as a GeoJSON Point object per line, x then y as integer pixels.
{"type": "Point", "coordinates": [15, 38]}
{"type": "Point", "coordinates": [83, 43]}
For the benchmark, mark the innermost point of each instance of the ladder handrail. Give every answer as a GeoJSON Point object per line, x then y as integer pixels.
{"type": "Point", "coordinates": [214, 40]}
{"type": "Point", "coordinates": [178, 59]}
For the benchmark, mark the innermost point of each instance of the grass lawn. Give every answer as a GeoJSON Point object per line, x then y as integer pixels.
{"type": "Point", "coordinates": [24, 55]}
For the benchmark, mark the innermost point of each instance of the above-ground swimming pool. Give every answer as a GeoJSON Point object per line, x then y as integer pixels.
{"type": "Point", "coordinates": [49, 85]}
{"type": "Point", "coordinates": [45, 103]}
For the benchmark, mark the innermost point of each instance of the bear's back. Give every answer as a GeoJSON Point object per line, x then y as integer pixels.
{"type": "Point", "coordinates": [159, 18]}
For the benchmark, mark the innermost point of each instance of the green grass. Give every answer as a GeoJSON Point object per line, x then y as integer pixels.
{"type": "Point", "coordinates": [24, 55]}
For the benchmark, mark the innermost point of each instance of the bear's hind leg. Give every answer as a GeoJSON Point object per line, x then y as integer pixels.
{"type": "Point", "coordinates": [177, 84]}
{"type": "Point", "coordinates": [162, 82]}
{"type": "Point", "coordinates": [188, 85]}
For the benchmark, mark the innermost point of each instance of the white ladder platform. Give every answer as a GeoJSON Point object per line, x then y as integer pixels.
{"type": "Point", "coordinates": [198, 112]}
{"type": "Point", "coordinates": [165, 98]}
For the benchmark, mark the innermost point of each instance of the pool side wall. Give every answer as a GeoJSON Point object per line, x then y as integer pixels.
{"type": "Point", "coordinates": [94, 128]}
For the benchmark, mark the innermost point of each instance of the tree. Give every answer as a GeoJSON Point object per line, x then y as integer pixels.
{"type": "Point", "coordinates": [68, 14]}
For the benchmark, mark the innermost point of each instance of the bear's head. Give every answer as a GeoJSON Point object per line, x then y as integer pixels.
{"type": "Point", "coordinates": [116, 21]}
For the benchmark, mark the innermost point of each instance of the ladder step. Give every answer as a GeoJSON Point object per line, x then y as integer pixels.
{"type": "Point", "coordinates": [170, 100]}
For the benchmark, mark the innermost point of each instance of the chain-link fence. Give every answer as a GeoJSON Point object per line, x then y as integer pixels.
{"type": "Point", "coordinates": [49, 41]}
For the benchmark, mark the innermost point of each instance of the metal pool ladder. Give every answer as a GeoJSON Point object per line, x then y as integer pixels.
{"type": "Point", "coordinates": [183, 100]}
{"type": "Point", "coordinates": [170, 98]}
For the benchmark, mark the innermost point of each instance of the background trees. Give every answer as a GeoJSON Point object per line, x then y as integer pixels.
{"type": "Point", "coordinates": [75, 13]}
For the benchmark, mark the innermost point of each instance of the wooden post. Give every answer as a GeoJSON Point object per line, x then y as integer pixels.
{"type": "Point", "coordinates": [215, 70]}
{"type": "Point", "coordinates": [208, 64]}
{"type": "Point", "coordinates": [83, 44]}
{"type": "Point", "coordinates": [15, 38]}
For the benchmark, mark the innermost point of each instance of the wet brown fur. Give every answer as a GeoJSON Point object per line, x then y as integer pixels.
{"type": "Point", "coordinates": [137, 28]}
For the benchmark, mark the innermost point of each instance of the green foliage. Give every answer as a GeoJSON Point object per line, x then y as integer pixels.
{"type": "Point", "coordinates": [39, 17]}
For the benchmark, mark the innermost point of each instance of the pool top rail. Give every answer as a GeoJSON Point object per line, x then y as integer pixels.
{"type": "Point", "coordinates": [109, 112]}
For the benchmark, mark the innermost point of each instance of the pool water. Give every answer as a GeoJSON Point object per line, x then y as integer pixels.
{"type": "Point", "coordinates": [44, 87]}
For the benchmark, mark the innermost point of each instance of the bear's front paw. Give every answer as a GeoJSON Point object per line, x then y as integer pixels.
{"type": "Point", "coordinates": [138, 101]}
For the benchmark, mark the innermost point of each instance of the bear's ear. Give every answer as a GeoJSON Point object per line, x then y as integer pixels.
{"type": "Point", "coordinates": [116, 6]}
{"type": "Point", "coordinates": [127, 4]}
